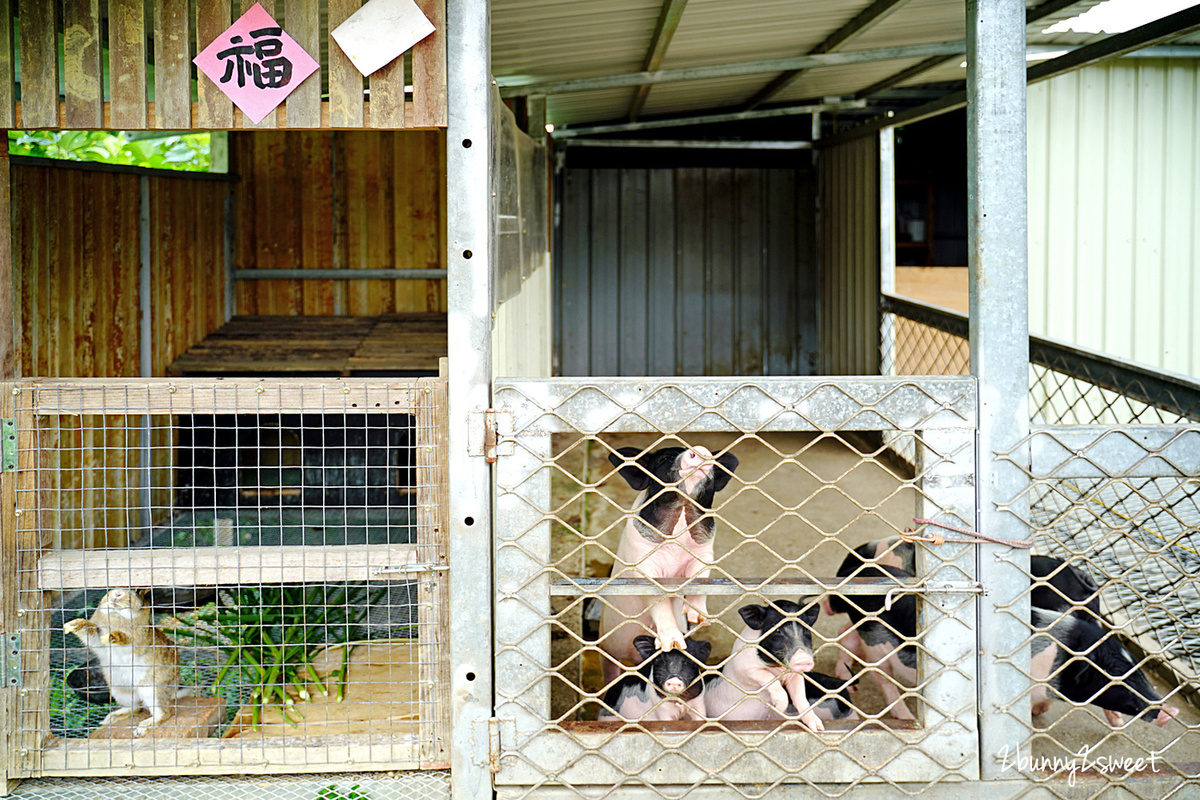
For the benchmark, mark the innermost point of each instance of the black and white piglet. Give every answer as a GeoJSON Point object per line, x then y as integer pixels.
{"type": "Point", "coordinates": [875, 634]}
{"type": "Point", "coordinates": [668, 687]}
{"type": "Point", "coordinates": [1086, 664]}
{"type": "Point", "coordinates": [766, 669]}
{"type": "Point", "coordinates": [671, 536]}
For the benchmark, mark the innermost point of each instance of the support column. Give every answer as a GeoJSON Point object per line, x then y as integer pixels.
{"type": "Point", "coordinates": [999, 331]}
{"type": "Point", "coordinates": [469, 239]}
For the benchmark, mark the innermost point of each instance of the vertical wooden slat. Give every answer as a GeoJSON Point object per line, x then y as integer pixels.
{"type": "Point", "coordinates": [269, 121]}
{"type": "Point", "coordinates": [213, 108]}
{"type": "Point", "coordinates": [304, 25]}
{"type": "Point", "coordinates": [10, 290]}
{"type": "Point", "coordinates": [345, 81]}
{"type": "Point", "coordinates": [317, 215]}
{"type": "Point", "coordinates": [82, 79]}
{"type": "Point", "coordinates": [35, 620]}
{"type": "Point", "coordinates": [127, 64]}
{"type": "Point", "coordinates": [7, 66]}
{"type": "Point", "coordinates": [380, 252]}
{"type": "Point", "coordinates": [9, 695]}
{"type": "Point", "coordinates": [406, 214]}
{"type": "Point", "coordinates": [387, 94]}
{"type": "Point", "coordinates": [356, 221]}
{"type": "Point", "coordinates": [172, 65]}
{"type": "Point", "coordinates": [429, 70]}
{"type": "Point", "coordinates": [39, 64]}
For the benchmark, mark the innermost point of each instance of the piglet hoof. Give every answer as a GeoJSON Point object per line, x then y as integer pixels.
{"type": "Point", "coordinates": [1167, 714]}
{"type": "Point", "coordinates": [1114, 718]}
{"type": "Point", "coordinates": [811, 721]}
{"type": "Point", "coordinates": [673, 641]}
{"type": "Point", "coordinates": [694, 617]}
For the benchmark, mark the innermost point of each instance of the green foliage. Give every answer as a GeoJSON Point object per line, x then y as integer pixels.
{"type": "Point", "coordinates": [274, 633]}
{"type": "Point", "coordinates": [332, 792]}
{"type": "Point", "coordinates": [182, 152]}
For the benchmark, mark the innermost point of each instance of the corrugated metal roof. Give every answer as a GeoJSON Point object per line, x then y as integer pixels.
{"type": "Point", "coordinates": [539, 41]}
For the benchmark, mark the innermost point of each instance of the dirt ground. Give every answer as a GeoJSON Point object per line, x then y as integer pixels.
{"type": "Point", "coordinates": [798, 504]}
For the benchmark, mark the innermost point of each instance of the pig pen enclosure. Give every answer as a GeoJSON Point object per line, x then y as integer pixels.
{"type": "Point", "coordinates": [355, 538]}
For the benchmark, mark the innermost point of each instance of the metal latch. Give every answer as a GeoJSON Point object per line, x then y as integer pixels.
{"type": "Point", "coordinates": [408, 569]}
{"type": "Point", "coordinates": [10, 660]}
{"type": "Point", "coordinates": [8, 430]}
{"type": "Point", "coordinates": [496, 424]}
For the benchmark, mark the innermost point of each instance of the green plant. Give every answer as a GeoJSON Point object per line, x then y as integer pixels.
{"type": "Point", "coordinates": [332, 792]}
{"type": "Point", "coordinates": [273, 634]}
{"type": "Point", "coordinates": [179, 152]}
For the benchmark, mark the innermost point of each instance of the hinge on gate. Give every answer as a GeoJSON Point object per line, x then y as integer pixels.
{"type": "Point", "coordinates": [8, 433]}
{"type": "Point", "coordinates": [10, 660]}
{"type": "Point", "coordinates": [493, 738]}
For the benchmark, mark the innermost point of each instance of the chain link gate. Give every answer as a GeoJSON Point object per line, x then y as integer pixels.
{"type": "Point", "coordinates": [808, 449]}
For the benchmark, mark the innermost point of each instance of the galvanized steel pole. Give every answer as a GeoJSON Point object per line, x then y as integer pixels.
{"type": "Point", "coordinates": [469, 237]}
{"type": "Point", "coordinates": [999, 330]}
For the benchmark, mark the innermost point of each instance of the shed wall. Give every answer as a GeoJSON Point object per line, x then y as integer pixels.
{"type": "Point", "coordinates": [694, 271]}
{"type": "Point", "coordinates": [849, 181]}
{"type": "Point", "coordinates": [340, 200]}
{"type": "Point", "coordinates": [76, 259]}
{"type": "Point", "coordinates": [1114, 166]}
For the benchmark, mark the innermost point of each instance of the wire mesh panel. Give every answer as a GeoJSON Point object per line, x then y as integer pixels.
{"type": "Point", "coordinates": [1116, 513]}
{"type": "Point", "coordinates": [768, 487]}
{"type": "Point", "coordinates": [232, 574]}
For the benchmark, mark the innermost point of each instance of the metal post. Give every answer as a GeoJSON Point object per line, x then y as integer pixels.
{"type": "Point", "coordinates": [469, 237]}
{"type": "Point", "coordinates": [999, 330]}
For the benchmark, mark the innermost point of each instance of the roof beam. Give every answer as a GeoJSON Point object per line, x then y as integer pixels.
{"type": "Point", "coordinates": [1174, 26]}
{"type": "Point", "coordinates": [668, 21]}
{"type": "Point", "coordinates": [1032, 15]}
{"type": "Point", "coordinates": [869, 16]}
{"type": "Point", "coordinates": [707, 119]}
{"type": "Point", "coordinates": [517, 89]}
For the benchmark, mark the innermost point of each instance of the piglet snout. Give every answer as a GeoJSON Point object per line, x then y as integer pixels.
{"type": "Point", "coordinates": [674, 685]}
{"type": "Point", "coordinates": [802, 662]}
{"type": "Point", "coordinates": [1167, 714]}
{"type": "Point", "coordinates": [694, 459]}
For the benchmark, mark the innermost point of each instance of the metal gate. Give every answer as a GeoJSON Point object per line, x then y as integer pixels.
{"type": "Point", "coordinates": [815, 480]}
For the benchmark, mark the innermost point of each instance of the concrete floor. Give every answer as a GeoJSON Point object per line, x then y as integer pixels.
{"type": "Point", "coordinates": [795, 507]}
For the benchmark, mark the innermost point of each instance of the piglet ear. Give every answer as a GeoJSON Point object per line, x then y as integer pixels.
{"type": "Point", "coordinates": [809, 615]}
{"type": "Point", "coordinates": [753, 616]}
{"type": "Point", "coordinates": [700, 649]}
{"type": "Point", "coordinates": [645, 646]}
{"type": "Point", "coordinates": [634, 475]}
{"type": "Point", "coordinates": [723, 472]}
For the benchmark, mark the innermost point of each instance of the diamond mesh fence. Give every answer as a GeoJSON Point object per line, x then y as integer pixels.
{"type": "Point", "coordinates": [1113, 505]}
{"type": "Point", "coordinates": [715, 516]}
{"type": "Point", "coordinates": [233, 574]}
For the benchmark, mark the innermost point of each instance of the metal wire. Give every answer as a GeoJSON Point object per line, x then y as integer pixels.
{"type": "Point", "coordinates": [263, 560]}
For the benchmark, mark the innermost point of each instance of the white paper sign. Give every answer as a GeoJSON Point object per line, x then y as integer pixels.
{"type": "Point", "coordinates": [381, 30]}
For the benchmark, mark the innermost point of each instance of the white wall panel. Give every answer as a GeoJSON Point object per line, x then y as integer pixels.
{"type": "Point", "coordinates": [1114, 178]}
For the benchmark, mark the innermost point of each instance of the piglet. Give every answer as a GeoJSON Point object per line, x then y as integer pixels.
{"type": "Point", "coordinates": [766, 669]}
{"type": "Point", "coordinates": [1060, 586]}
{"type": "Point", "coordinates": [670, 536]}
{"type": "Point", "coordinates": [1085, 664]}
{"type": "Point", "coordinates": [831, 696]}
{"type": "Point", "coordinates": [875, 635]}
{"type": "Point", "coordinates": [669, 686]}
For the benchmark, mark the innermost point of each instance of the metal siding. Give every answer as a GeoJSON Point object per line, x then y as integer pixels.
{"type": "Point", "coordinates": [849, 249]}
{"type": "Point", "coordinates": [1114, 165]}
{"type": "Point", "coordinates": [686, 272]}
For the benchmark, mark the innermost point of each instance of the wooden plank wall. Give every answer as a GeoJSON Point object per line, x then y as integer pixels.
{"type": "Point", "coordinates": [354, 200]}
{"type": "Point", "coordinates": [133, 33]}
{"type": "Point", "coordinates": [76, 262]}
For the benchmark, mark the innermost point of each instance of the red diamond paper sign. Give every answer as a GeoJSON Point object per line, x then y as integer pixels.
{"type": "Point", "coordinates": [255, 63]}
